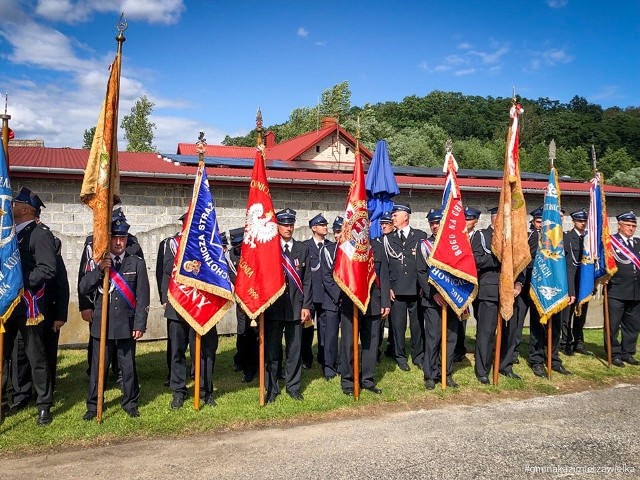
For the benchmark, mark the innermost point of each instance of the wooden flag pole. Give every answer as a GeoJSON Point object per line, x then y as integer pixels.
{"type": "Point", "coordinates": [549, 345]}
{"type": "Point", "coordinates": [1, 369]}
{"type": "Point", "coordinates": [607, 324]}
{"type": "Point", "coordinates": [443, 349]}
{"type": "Point", "coordinates": [104, 319]}
{"type": "Point", "coordinates": [496, 358]}
{"type": "Point", "coordinates": [261, 357]}
{"type": "Point", "coordinates": [196, 386]}
{"type": "Point", "coordinates": [356, 355]}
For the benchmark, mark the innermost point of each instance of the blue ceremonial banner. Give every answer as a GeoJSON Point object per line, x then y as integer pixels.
{"type": "Point", "coordinates": [453, 267]}
{"type": "Point", "coordinates": [10, 266]}
{"type": "Point", "coordinates": [549, 288]}
{"type": "Point", "coordinates": [598, 264]}
{"type": "Point", "coordinates": [381, 186]}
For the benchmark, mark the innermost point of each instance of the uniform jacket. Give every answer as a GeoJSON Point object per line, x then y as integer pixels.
{"type": "Point", "coordinates": [332, 292]}
{"type": "Point", "coordinates": [487, 264]}
{"type": "Point", "coordinates": [86, 263]}
{"type": "Point", "coordinates": [402, 261]}
{"type": "Point", "coordinates": [289, 305]}
{"type": "Point", "coordinates": [122, 319]}
{"type": "Point", "coordinates": [233, 258]}
{"type": "Point", "coordinates": [625, 284]}
{"type": "Point", "coordinates": [316, 273]}
{"type": "Point", "coordinates": [38, 258]}
{"type": "Point", "coordinates": [164, 266]}
{"type": "Point", "coordinates": [57, 290]}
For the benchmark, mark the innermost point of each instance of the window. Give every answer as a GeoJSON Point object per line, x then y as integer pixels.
{"type": "Point", "coordinates": [346, 150]}
{"type": "Point", "coordinates": [317, 148]}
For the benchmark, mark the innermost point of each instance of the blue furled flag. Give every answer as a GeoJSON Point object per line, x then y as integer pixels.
{"type": "Point", "coordinates": [381, 187]}
{"type": "Point", "coordinates": [598, 263]}
{"type": "Point", "coordinates": [549, 286]}
{"type": "Point", "coordinates": [453, 268]}
{"type": "Point", "coordinates": [10, 266]}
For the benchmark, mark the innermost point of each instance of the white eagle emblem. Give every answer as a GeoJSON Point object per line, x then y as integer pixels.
{"type": "Point", "coordinates": [260, 227]}
{"type": "Point", "coordinates": [549, 292]}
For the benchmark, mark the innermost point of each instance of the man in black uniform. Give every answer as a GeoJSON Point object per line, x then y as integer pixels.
{"type": "Point", "coordinates": [56, 310]}
{"type": "Point", "coordinates": [572, 323]}
{"type": "Point", "coordinates": [432, 303]}
{"type": "Point", "coordinates": [331, 303]}
{"type": "Point", "coordinates": [319, 229]}
{"type": "Point", "coordinates": [86, 302]}
{"type": "Point", "coordinates": [288, 312]}
{"type": "Point", "coordinates": [624, 292]}
{"type": "Point", "coordinates": [401, 247]}
{"type": "Point", "coordinates": [368, 327]}
{"type": "Point", "coordinates": [537, 331]}
{"type": "Point", "coordinates": [386, 224]}
{"type": "Point", "coordinates": [487, 306]}
{"type": "Point", "coordinates": [471, 215]}
{"type": "Point", "coordinates": [127, 316]}
{"type": "Point", "coordinates": [38, 261]}
{"type": "Point", "coordinates": [247, 336]}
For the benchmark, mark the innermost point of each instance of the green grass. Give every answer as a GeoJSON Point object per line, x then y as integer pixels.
{"type": "Point", "coordinates": [238, 402]}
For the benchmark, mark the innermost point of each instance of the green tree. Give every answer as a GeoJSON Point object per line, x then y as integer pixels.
{"type": "Point", "coordinates": [88, 137]}
{"type": "Point", "coordinates": [336, 101]}
{"type": "Point", "coordinates": [138, 130]}
{"type": "Point", "coordinates": [418, 146]}
{"type": "Point", "coordinates": [629, 178]}
{"type": "Point", "coordinates": [614, 161]}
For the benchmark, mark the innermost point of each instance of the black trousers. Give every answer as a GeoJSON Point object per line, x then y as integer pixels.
{"type": "Point", "coordinates": [624, 316]}
{"type": "Point", "coordinates": [292, 331]}
{"type": "Point", "coordinates": [403, 305]}
{"type": "Point", "coordinates": [538, 338]}
{"type": "Point", "coordinates": [208, 350]}
{"type": "Point", "coordinates": [246, 344]}
{"type": "Point", "coordinates": [178, 341]}
{"type": "Point", "coordinates": [368, 330]}
{"type": "Point", "coordinates": [36, 354]}
{"type": "Point", "coordinates": [330, 338]}
{"type": "Point", "coordinates": [573, 327]}
{"type": "Point", "coordinates": [432, 366]}
{"type": "Point", "coordinates": [487, 322]}
{"type": "Point", "coordinates": [112, 356]}
{"type": "Point", "coordinates": [125, 350]}
{"type": "Point", "coordinates": [20, 369]}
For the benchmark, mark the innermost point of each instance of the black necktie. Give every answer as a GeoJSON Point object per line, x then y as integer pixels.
{"type": "Point", "coordinates": [286, 250]}
{"type": "Point", "coordinates": [402, 238]}
{"type": "Point", "coordinates": [117, 264]}
{"type": "Point", "coordinates": [319, 245]}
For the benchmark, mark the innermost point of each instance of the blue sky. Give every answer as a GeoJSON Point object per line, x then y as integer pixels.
{"type": "Point", "coordinates": [209, 64]}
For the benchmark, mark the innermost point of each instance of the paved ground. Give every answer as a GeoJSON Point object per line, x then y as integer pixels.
{"type": "Point", "coordinates": [582, 435]}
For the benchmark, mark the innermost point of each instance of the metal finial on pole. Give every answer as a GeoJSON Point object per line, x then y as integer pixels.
{"type": "Point", "coordinates": [5, 129]}
{"type": "Point", "coordinates": [513, 97]}
{"type": "Point", "coordinates": [552, 152]}
{"type": "Point", "coordinates": [594, 161]}
{"type": "Point", "coordinates": [448, 146]}
{"type": "Point", "coordinates": [259, 127]}
{"type": "Point", "coordinates": [6, 101]}
{"type": "Point", "coordinates": [201, 146]}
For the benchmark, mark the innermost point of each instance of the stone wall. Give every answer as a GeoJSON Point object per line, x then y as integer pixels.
{"type": "Point", "coordinates": [153, 210]}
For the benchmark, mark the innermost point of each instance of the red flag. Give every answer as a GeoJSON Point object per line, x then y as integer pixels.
{"type": "Point", "coordinates": [11, 135]}
{"type": "Point", "coordinates": [260, 279]}
{"type": "Point", "coordinates": [353, 268]}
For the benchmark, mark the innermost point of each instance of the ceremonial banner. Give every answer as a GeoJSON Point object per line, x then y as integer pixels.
{"type": "Point", "coordinates": [101, 174]}
{"type": "Point", "coordinates": [549, 287]}
{"type": "Point", "coordinates": [200, 288]}
{"type": "Point", "coordinates": [10, 266]}
{"type": "Point", "coordinates": [260, 279]}
{"type": "Point", "coordinates": [598, 263]}
{"type": "Point", "coordinates": [381, 187]}
{"type": "Point", "coordinates": [353, 268]}
{"type": "Point", "coordinates": [453, 267]}
{"type": "Point", "coordinates": [509, 242]}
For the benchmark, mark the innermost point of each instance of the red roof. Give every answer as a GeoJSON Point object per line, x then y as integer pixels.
{"type": "Point", "coordinates": [69, 163]}
{"type": "Point", "coordinates": [286, 151]}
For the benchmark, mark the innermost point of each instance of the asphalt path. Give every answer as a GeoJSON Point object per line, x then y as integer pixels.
{"type": "Point", "coordinates": [591, 434]}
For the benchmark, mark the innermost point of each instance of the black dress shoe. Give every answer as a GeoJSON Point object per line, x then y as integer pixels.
{"type": "Point", "coordinates": [208, 400]}
{"type": "Point", "coordinates": [374, 389]}
{"type": "Point", "coordinates": [516, 360]}
{"type": "Point", "coordinates": [484, 380]}
{"type": "Point", "coordinates": [44, 417]}
{"type": "Point", "coordinates": [561, 370]}
{"type": "Point", "coordinates": [347, 392]}
{"type": "Point", "coordinates": [166, 383]}
{"type": "Point", "coordinates": [177, 401]}
{"type": "Point", "coordinates": [581, 350]}
{"type": "Point", "coordinates": [307, 365]}
{"type": "Point", "coordinates": [515, 376]}
{"type": "Point", "coordinates": [132, 412]}
{"type": "Point", "coordinates": [538, 370]}
{"type": "Point", "coordinates": [618, 362]}
{"type": "Point", "coordinates": [271, 399]}
{"type": "Point", "coordinates": [404, 367]}
{"type": "Point", "coordinates": [451, 382]}
{"type": "Point", "coordinates": [630, 359]}
{"type": "Point", "coordinates": [568, 351]}
{"type": "Point", "coordinates": [89, 415]}
{"type": "Point", "coordinates": [328, 378]}
{"type": "Point", "coordinates": [295, 395]}
{"type": "Point", "coordinates": [429, 384]}
{"type": "Point", "coordinates": [237, 368]}
{"type": "Point", "coordinates": [248, 377]}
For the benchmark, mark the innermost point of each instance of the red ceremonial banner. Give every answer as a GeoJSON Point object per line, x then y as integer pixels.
{"type": "Point", "coordinates": [260, 278]}
{"type": "Point", "coordinates": [353, 268]}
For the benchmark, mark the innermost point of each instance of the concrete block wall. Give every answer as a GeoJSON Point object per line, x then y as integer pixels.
{"type": "Point", "coordinates": [153, 211]}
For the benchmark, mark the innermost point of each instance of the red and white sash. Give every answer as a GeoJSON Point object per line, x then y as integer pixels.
{"type": "Point", "coordinates": [291, 271]}
{"type": "Point", "coordinates": [34, 316]}
{"type": "Point", "coordinates": [123, 287]}
{"type": "Point", "coordinates": [626, 251]}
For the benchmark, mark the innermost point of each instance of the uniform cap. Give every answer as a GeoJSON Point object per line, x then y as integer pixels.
{"type": "Point", "coordinates": [579, 214]}
{"type": "Point", "coordinates": [627, 217]}
{"type": "Point", "coordinates": [494, 210]}
{"type": "Point", "coordinates": [337, 223]}
{"type": "Point", "coordinates": [318, 220]}
{"type": "Point", "coordinates": [471, 213]}
{"type": "Point", "coordinates": [237, 236]}
{"type": "Point", "coordinates": [537, 213]}
{"type": "Point", "coordinates": [386, 217]}
{"type": "Point", "coordinates": [30, 198]}
{"type": "Point", "coordinates": [434, 215]}
{"type": "Point", "coordinates": [286, 216]}
{"type": "Point", "coordinates": [119, 228]}
{"type": "Point", "coordinates": [400, 207]}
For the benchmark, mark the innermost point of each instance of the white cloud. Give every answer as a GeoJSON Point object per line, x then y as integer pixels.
{"type": "Point", "coordinates": [465, 46]}
{"type": "Point", "coordinates": [608, 92]}
{"type": "Point", "coordinates": [455, 60]}
{"type": "Point", "coordinates": [321, 43]}
{"type": "Point", "coordinates": [152, 11]}
{"type": "Point", "coordinates": [557, 3]}
{"type": "Point", "coordinates": [171, 130]}
{"type": "Point", "coordinates": [466, 71]}
{"type": "Point", "coordinates": [302, 32]}
{"type": "Point", "coordinates": [442, 68]}
{"type": "Point", "coordinates": [555, 55]}
{"type": "Point", "coordinates": [424, 65]}
{"type": "Point", "coordinates": [490, 57]}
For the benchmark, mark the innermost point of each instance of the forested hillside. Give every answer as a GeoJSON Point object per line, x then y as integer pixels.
{"type": "Point", "coordinates": [417, 127]}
